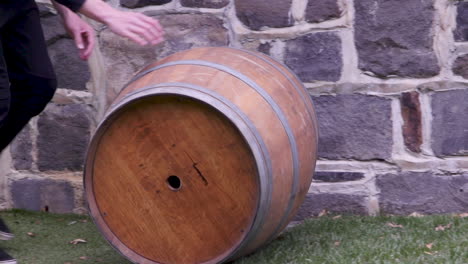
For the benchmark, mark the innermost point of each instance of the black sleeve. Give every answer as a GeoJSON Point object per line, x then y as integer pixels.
{"type": "Point", "coordinates": [74, 5]}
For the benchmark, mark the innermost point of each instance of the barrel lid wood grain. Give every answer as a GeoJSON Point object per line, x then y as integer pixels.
{"type": "Point", "coordinates": [162, 179]}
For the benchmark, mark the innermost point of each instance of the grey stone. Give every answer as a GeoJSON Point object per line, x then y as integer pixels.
{"type": "Point", "coordinates": [64, 132]}
{"type": "Point", "coordinates": [183, 31]}
{"type": "Point", "coordinates": [460, 66]}
{"type": "Point", "coordinates": [142, 3]}
{"type": "Point", "coordinates": [72, 72]}
{"type": "Point", "coordinates": [412, 117]}
{"type": "Point", "coordinates": [422, 192]}
{"type": "Point", "coordinates": [333, 203]}
{"type": "Point", "coordinates": [43, 194]}
{"type": "Point", "coordinates": [205, 3]}
{"type": "Point", "coordinates": [337, 176]}
{"type": "Point", "coordinates": [44, 10]}
{"type": "Point", "coordinates": [265, 48]}
{"type": "Point", "coordinates": [257, 14]}
{"type": "Point", "coordinates": [315, 57]}
{"type": "Point", "coordinates": [21, 149]}
{"type": "Point", "coordinates": [461, 31]}
{"type": "Point", "coordinates": [394, 38]}
{"type": "Point", "coordinates": [321, 10]}
{"type": "Point", "coordinates": [449, 123]}
{"type": "Point", "coordinates": [52, 26]}
{"type": "Point", "coordinates": [354, 127]}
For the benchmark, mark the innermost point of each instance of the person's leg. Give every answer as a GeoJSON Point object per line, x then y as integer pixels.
{"type": "Point", "coordinates": [30, 72]}
{"type": "Point", "coordinates": [5, 233]}
{"type": "Point", "coordinates": [4, 89]}
{"type": "Point", "coordinates": [5, 13]}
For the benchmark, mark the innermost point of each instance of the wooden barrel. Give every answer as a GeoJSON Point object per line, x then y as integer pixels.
{"type": "Point", "coordinates": [204, 157]}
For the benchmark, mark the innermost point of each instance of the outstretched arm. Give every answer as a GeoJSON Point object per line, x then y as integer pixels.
{"type": "Point", "coordinates": [142, 29]}
{"type": "Point", "coordinates": [135, 26]}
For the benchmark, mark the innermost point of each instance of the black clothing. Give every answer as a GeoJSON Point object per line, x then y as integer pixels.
{"type": "Point", "coordinates": [74, 5]}
{"type": "Point", "coordinates": [6, 259]}
{"type": "Point", "coordinates": [27, 79]}
{"type": "Point", "coordinates": [5, 233]}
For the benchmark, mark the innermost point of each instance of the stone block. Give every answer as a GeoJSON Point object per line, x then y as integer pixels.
{"type": "Point", "coordinates": [259, 14]}
{"type": "Point", "coordinates": [72, 72]}
{"type": "Point", "coordinates": [21, 150]}
{"type": "Point", "coordinates": [449, 123]}
{"type": "Point", "coordinates": [205, 3]}
{"type": "Point", "coordinates": [394, 38]}
{"type": "Point", "coordinates": [412, 126]}
{"type": "Point", "coordinates": [354, 127]}
{"type": "Point", "coordinates": [142, 3]}
{"type": "Point", "coordinates": [315, 57]}
{"type": "Point", "coordinates": [43, 194]}
{"type": "Point", "coordinates": [460, 66]}
{"type": "Point", "coordinates": [337, 176]}
{"type": "Point", "coordinates": [64, 132]}
{"type": "Point", "coordinates": [52, 25]}
{"type": "Point", "coordinates": [422, 192]}
{"type": "Point", "coordinates": [265, 48]}
{"type": "Point", "coordinates": [332, 202]}
{"type": "Point", "coordinates": [123, 58]}
{"type": "Point", "coordinates": [321, 10]}
{"type": "Point", "coordinates": [461, 31]}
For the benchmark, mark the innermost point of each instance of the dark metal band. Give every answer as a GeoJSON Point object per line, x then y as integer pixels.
{"type": "Point", "coordinates": [307, 103]}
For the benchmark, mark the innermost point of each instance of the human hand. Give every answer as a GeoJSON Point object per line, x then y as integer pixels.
{"type": "Point", "coordinates": [137, 27]}
{"type": "Point", "coordinates": [142, 29]}
{"type": "Point", "coordinates": [81, 32]}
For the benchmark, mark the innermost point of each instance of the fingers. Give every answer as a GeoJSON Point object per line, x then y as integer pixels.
{"type": "Point", "coordinates": [153, 23]}
{"type": "Point", "coordinates": [78, 39]}
{"type": "Point", "coordinates": [88, 39]}
{"type": "Point", "coordinates": [147, 28]}
{"type": "Point", "coordinates": [136, 38]}
{"type": "Point", "coordinates": [137, 27]}
{"type": "Point", "coordinates": [84, 35]}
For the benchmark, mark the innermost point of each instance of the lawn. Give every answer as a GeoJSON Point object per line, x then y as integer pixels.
{"type": "Point", "coordinates": [43, 238]}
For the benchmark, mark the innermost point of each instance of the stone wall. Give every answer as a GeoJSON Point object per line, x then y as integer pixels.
{"type": "Point", "coordinates": [389, 80]}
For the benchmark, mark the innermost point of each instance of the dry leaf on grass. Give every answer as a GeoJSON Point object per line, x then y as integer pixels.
{"type": "Point", "coordinates": [324, 212]}
{"type": "Point", "coordinates": [77, 241]}
{"type": "Point", "coordinates": [83, 257]}
{"type": "Point", "coordinates": [416, 214]}
{"type": "Point", "coordinates": [31, 234]}
{"type": "Point", "coordinates": [430, 253]}
{"type": "Point", "coordinates": [443, 227]}
{"type": "Point", "coordinates": [337, 243]}
{"type": "Point", "coordinates": [463, 215]}
{"type": "Point", "coordinates": [72, 223]}
{"type": "Point", "coordinates": [336, 217]}
{"type": "Point", "coordinates": [429, 246]}
{"type": "Point", "coordinates": [390, 224]}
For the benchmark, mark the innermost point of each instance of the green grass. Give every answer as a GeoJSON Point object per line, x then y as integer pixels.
{"type": "Point", "coordinates": [347, 239]}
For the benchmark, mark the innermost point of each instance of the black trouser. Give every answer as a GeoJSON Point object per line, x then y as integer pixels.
{"type": "Point", "coordinates": [27, 80]}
